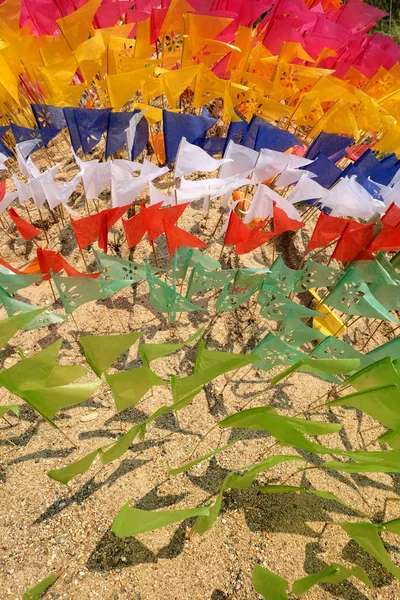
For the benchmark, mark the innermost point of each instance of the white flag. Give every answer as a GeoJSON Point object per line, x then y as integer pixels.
{"type": "Point", "coordinates": [262, 205]}
{"type": "Point", "coordinates": [152, 171]}
{"type": "Point", "coordinates": [23, 149]}
{"type": "Point", "coordinates": [3, 159]}
{"type": "Point", "coordinates": [130, 132]}
{"type": "Point", "coordinates": [23, 190]}
{"type": "Point", "coordinates": [38, 193]}
{"type": "Point", "coordinates": [9, 197]}
{"type": "Point", "coordinates": [191, 158]}
{"type": "Point", "coordinates": [128, 165]}
{"type": "Point", "coordinates": [124, 192]}
{"type": "Point", "coordinates": [271, 163]}
{"type": "Point", "coordinates": [349, 199]}
{"type": "Point", "coordinates": [243, 160]}
{"type": "Point", "coordinates": [59, 193]}
{"type": "Point", "coordinates": [157, 196]}
{"type": "Point", "coordinates": [392, 194]}
{"type": "Point", "coordinates": [307, 189]}
{"type": "Point", "coordinates": [290, 176]}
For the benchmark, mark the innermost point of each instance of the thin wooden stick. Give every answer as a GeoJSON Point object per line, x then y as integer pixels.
{"type": "Point", "coordinates": [43, 226]}
{"type": "Point", "coordinates": [371, 336]}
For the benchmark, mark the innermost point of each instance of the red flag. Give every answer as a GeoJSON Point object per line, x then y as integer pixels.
{"type": "Point", "coordinates": [326, 230]}
{"type": "Point", "coordinates": [3, 188]}
{"type": "Point", "coordinates": [237, 232]}
{"type": "Point", "coordinates": [177, 237]}
{"type": "Point", "coordinates": [353, 241]}
{"type": "Point", "coordinates": [391, 216]}
{"type": "Point", "coordinates": [257, 238]}
{"type": "Point", "coordinates": [387, 239]}
{"type": "Point", "coordinates": [284, 223]}
{"type": "Point", "coordinates": [88, 229]}
{"type": "Point", "coordinates": [26, 230]}
{"type": "Point", "coordinates": [151, 220]}
{"type": "Point", "coordinates": [54, 261]}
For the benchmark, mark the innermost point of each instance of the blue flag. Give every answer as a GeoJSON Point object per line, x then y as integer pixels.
{"type": "Point", "coordinates": [3, 148]}
{"type": "Point", "coordinates": [385, 171]}
{"type": "Point", "coordinates": [325, 170]}
{"type": "Point", "coordinates": [237, 132]}
{"type": "Point", "coordinates": [329, 144]}
{"type": "Point", "coordinates": [178, 125]}
{"type": "Point", "coordinates": [214, 145]}
{"type": "Point", "coordinates": [363, 180]}
{"type": "Point", "coordinates": [72, 128]}
{"type": "Point", "coordinates": [23, 134]}
{"type": "Point", "coordinates": [49, 117]}
{"type": "Point", "coordinates": [261, 134]}
{"type": "Point", "coordinates": [117, 124]}
{"type": "Point", "coordinates": [91, 124]}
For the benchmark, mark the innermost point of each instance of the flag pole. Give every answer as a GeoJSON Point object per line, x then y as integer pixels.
{"type": "Point", "coordinates": [43, 226]}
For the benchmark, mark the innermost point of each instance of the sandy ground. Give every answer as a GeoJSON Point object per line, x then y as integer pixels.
{"type": "Point", "coordinates": [46, 526]}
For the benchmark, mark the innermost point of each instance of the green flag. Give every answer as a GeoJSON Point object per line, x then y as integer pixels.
{"type": "Point", "coordinates": [320, 366]}
{"type": "Point", "coordinates": [380, 403]}
{"type": "Point", "coordinates": [48, 401]}
{"type": "Point", "coordinates": [275, 305]}
{"type": "Point", "coordinates": [121, 268]}
{"type": "Point", "coordinates": [129, 387]}
{"type": "Point", "coordinates": [75, 291]}
{"type": "Point", "coordinates": [379, 373]}
{"type": "Point", "coordinates": [296, 332]}
{"type": "Point", "coordinates": [227, 302]}
{"type": "Point", "coordinates": [201, 280]}
{"type": "Point", "coordinates": [332, 347]}
{"type": "Point", "coordinates": [333, 574]}
{"type": "Point", "coordinates": [149, 352]}
{"type": "Point", "coordinates": [165, 299]}
{"type": "Point", "coordinates": [388, 295]}
{"type": "Point", "coordinates": [391, 348]}
{"type": "Point", "coordinates": [35, 592]}
{"type": "Point", "coordinates": [10, 326]}
{"type": "Point", "coordinates": [387, 265]}
{"type": "Point", "coordinates": [285, 276]}
{"type": "Point", "coordinates": [371, 271]}
{"type": "Point", "coordinates": [275, 352]}
{"type": "Point", "coordinates": [186, 257]}
{"type": "Point", "coordinates": [32, 372]}
{"type": "Point", "coordinates": [315, 275]}
{"type": "Point", "coordinates": [102, 350]}
{"type": "Point", "coordinates": [45, 318]}
{"type": "Point", "coordinates": [395, 261]}
{"type": "Point", "coordinates": [268, 584]}
{"type": "Point", "coordinates": [209, 365]}
{"type": "Point", "coordinates": [352, 296]}
{"type": "Point", "coordinates": [247, 278]}
{"type": "Point", "coordinates": [12, 282]}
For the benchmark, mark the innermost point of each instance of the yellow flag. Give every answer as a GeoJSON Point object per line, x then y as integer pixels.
{"type": "Point", "coordinates": [205, 26]}
{"type": "Point", "coordinates": [174, 18]}
{"type": "Point", "coordinates": [152, 115]}
{"type": "Point", "coordinates": [9, 21]}
{"type": "Point", "coordinates": [356, 78]}
{"type": "Point", "coordinates": [71, 96]}
{"type": "Point", "coordinates": [381, 84]}
{"type": "Point", "coordinates": [55, 51]}
{"type": "Point", "coordinates": [176, 82]}
{"type": "Point", "coordinates": [338, 119]}
{"type": "Point", "coordinates": [76, 26]}
{"type": "Point", "coordinates": [207, 87]}
{"type": "Point", "coordinates": [8, 80]}
{"type": "Point", "coordinates": [292, 50]}
{"type": "Point", "coordinates": [298, 77]}
{"type": "Point", "coordinates": [272, 111]}
{"type": "Point", "coordinates": [368, 114]}
{"type": "Point", "coordinates": [143, 47]}
{"type": "Point", "coordinates": [58, 76]}
{"type": "Point", "coordinates": [228, 113]}
{"type": "Point", "coordinates": [150, 88]}
{"type": "Point", "coordinates": [308, 110]}
{"type": "Point", "coordinates": [243, 40]}
{"type": "Point", "coordinates": [204, 51]}
{"type": "Point", "coordinates": [89, 56]}
{"type": "Point", "coordinates": [390, 142]}
{"type": "Point", "coordinates": [123, 86]}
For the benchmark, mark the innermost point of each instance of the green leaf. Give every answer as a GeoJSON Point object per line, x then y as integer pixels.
{"type": "Point", "coordinates": [357, 467]}
{"type": "Point", "coordinates": [205, 522]}
{"type": "Point", "coordinates": [10, 326]}
{"type": "Point", "coordinates": [32, 372]}
{"type": "Point", "coordinates": [320, 366]}
{"type": "Point", "coordinates": [121, 446]}
{"type": "Point", "coordinates": [102, 351]}
{"type": "Point", "coordinates": [381, 403]}
{"type": "Point", "coordinates": [41, 587]}
{"type": "Point", "coordinates": [314, 427]}
{"type": "Point", "coordinates": [393, 526]}
{"type": "Point", "coordinates": [268, 584]}
{"type": "Point", "coordinates": [129, 387]}
{"type": "Point", "coordinates": [12, 407]}
{"type": "Point", "coordinates": [333, 574]}
{"type": "Point", "coordinates": [132, 521]}
{"type": "Point", "coordinates": [65, 474]}
{"type": "Point", "coordinates": [288, 489]}
{"type": "Point", "coordinates": [367, 536]}
{"type": "Point", "coordinates": [149, 352]}
{"type": "Point", "coordinates": [48, 401]}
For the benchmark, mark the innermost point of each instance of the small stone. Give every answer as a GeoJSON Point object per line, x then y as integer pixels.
{"type": "Point", "coordinates": [89, 417]}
